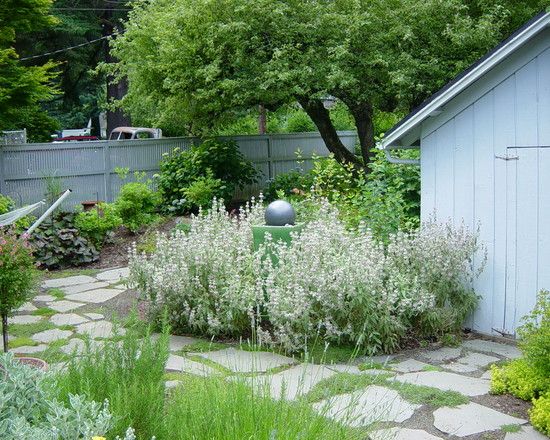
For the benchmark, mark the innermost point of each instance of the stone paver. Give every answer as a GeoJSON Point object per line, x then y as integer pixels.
{"type": "Point", "coordinates": [69, 281]}
{"type": "Point", "coordinates": [402, 434]}
{"type": "Point", "coordinates": [64, 306]}
{"type": "Point", "coordinates": [442, 354]}
{"type": "Point", "coordinates": [457, 367]}
{"type": "Point", "coordinates": [76, 345]}
{"type": "Point", "coordinates": [27, 307]}
{"type": "Point", "coordinates": [471, 362]}
{"type": "Point", "coordinates": [526, 433]}
{"type": "Point", "coordinates": [382, 359]}
{"type": "Point", "coordinates": [95, 296]}
{"type": "Point", "coordinates": [470, 419]}
{"type": "Point", "coordinates": [94, 316]}
{"type": "Point", "coordinates": [44, 298]}
{"type": "Point", "coordinates": [29, 349]}
{"type": "Point", "coordinates": [240, 361]}
{"type": "Point", "coordinates": [179, 363]}
{"type": "Point", "coordinates": [98, 329]}
{"type": "Point", "coordinates": [469, 386]}
{"type": "Point", "coordinates": [77, 288]}
{"type": "Point", "coordinates": [505, 350]}
{"type": "Point", "coordinates": [354, 369]}
{"type": "Point", "coordinates": [291, 383]}
{"type": "Point", "coordinates": [24, 319]}
{"type": "Point", "coordinates": [363, 407]}
{"type": "Point", "coordinates": [67, 319]}
{"type": "Point", "coordinates": [176, 343]}
{"type": "Point", "coordinates": [48, 336]}
{"type": "Point", "coordinates": [169, 384]}
{"type": "Point", "coordinates": [487, 375]}
{"type": "Point", "coordinates": [409, 366]}
{"type": "Point", "coordinates": [113, 275]}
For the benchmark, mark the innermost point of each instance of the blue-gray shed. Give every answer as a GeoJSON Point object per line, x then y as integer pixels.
{"type": "Point", "coordinates": [484, 144]}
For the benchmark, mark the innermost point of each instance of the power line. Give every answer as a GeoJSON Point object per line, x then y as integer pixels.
{"type": "Point", "coordinates": [66, 48]}
{"type": "Point", "coordinates": [89, 9]}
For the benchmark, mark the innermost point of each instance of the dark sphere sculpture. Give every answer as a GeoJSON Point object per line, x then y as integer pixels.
{"type": "Point", "coordinates": [280, 213]}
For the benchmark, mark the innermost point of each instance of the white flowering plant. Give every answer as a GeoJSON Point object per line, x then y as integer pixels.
{"type": "Point", "coordinates": [338, 285]}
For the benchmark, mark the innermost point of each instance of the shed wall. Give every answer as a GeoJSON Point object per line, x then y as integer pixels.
{"type": "Point", "coordinates": [466, 178]}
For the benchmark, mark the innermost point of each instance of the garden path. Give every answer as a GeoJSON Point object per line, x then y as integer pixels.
{"type": "Point", "coordinates": [386, 390]}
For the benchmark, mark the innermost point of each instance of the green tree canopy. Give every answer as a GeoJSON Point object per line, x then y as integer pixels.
{"type": "Point", "coordinates": [191, 63]}
{"type": "Point", "coordinates": [22, 88]}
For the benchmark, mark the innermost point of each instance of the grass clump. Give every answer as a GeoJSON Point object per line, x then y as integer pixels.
{"type": "Point", "coordinates": [27, 330]}
{"type": "Point", "coordinates": [44, 311]}
{"type": "Point", "coordinates": [57, 293]}
{"type": "Point", "coordinates": [425, 395]}
{"type": "Point", "coordinates": [510, 428]}
{"type": "Point", "coordinates": [70, 273]}
{"type": "Point", "coordinates": [21, 342]}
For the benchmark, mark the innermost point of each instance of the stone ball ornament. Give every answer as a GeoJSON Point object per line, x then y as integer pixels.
{"type": "Point", "coordinates": [280, 213]}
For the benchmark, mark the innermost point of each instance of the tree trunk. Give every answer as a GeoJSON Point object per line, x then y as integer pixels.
{"type": "Point", "coordinates": [321, 118]}
{"type": "Point", "coordinates": [362, 114]}
{"type": "Point", "coordinates": [5, 331]}
{"type": "Point", "coordinates": [262, 120]}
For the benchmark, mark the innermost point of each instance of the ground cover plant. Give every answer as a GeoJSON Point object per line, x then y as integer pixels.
{"type": "Point", "coordinates": [529, 377]}
{"type": "Point", "coordinates": [333, 284]}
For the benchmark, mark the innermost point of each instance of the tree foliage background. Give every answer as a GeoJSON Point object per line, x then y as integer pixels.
{"type": "Point", "coordinates": [195, 64]}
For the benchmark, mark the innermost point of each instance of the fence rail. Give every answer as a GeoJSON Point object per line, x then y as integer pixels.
{"type": "Point", "coordinates": [88, 168]}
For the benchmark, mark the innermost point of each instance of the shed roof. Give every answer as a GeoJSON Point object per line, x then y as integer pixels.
{"type": "Point", "coordinates": [411, 123]}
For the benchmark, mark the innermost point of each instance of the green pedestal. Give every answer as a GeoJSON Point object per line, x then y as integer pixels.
{"type": "Point", "coordinates": [278, 233]}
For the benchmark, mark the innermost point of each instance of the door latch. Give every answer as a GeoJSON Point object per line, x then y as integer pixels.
{"type": "Point", "coordinates": [507, 157]}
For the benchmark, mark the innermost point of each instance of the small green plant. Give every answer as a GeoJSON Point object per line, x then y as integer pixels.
{"type": "Point", "coordinates": [540, 414]}
{"type": "Point", "coordinates": [17, 276]}
{"type": "Point", "coordinates": [43, 311]}
{"type": "Point", "coordinates": [98, 223]}
{"type": "Point", "coordinates": [137, 205]}
{"type": "Point", "coordinates": [510, 428]}
{"type": "Point", "coordinates": [201, 192]}
{"type": "Point", "coordinates": [57, 293]}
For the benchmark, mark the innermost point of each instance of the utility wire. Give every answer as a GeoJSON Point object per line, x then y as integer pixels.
{"type": "Point", "coordinates": [66, 48]}
{"type": "Point", "coordinates": [89, 9]}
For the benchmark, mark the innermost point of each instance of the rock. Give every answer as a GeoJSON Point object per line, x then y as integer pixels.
{"type": "Point", "coordinates": [94, 316]}
{"type": "Point", "coordinates": [443, 354]}
{"type": "Point", "coordinates": [470, 419]}
{"type": "Point", "coordinates": [114, 275]}
{"type": "Point", "coordinates": [28, 349]}
{"type": "Point", "coordinates": [409, 365]}
{"type": "Point", "coordinates": [353, 369]}
{"type": "Point", "coordinates": [402, 434]}
{"type": "Point", "coordinates": [460, 368]}
{"type": "Point", "coordinates": [469, 386]}
{"type": "Point", "coordinates": [506, 350]}
{"type": "Point", "coordinates": [181, 364]}
{"type": "Point", "coordinates": [27, 307]}
{"type": "Point", "coordinates": [363, 407]}
{"type": "Point", "coordinates": [78, 288]}
{"type": "Point", "coordinates": [24, 319]}
{"type": "Point", "coordinates": [471, 362]}
{"type": "Point", "coordinates": [44, 298]}
{"type": "Point", "coordinates": [95, 296]}
{"type": "Point", "coordinates": [64, 306]}
{"type": "Point", "coordinates": [77, 345]}
{"type": "Point", "coordinates": [69, 281]}
{"type": "Point", "coordinates": [176, 343]}
{"type": "Point", "coordinates": [526, 433]}
{"type": "Point", "coordinates": [48, 336]}
{"type": "Point", "coordinates": [98, 329]}
{"type": "Point", "coordinates": [67, 319]}
{"type": "Point", "coordinates": [240, 361]}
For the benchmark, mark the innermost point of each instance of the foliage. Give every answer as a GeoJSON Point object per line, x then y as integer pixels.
{"type": "Point", "coordinates": [334, 284]}
{"type": "Point", "coordinates": [137, 205]}
{"type": "Point", "coordinates": [17, 274]}
{"type": "Point", "coordinates": [97, 223]}
{"type": "Point", "coordinates": [219, 160]}
{"type": "Point", "coordinates": [540, 414]}
{"type": "Point", "coordinates": [128, 374]}
{"type": "Point", "coordinates": [28, 409]}
{"type": "Point", "coordinates": [284, 185]}
{"type": "Point", "coordinates": [7, 204]}
{"type": "Point", "coordinates": [57, 243]}
{"type": "Point", "coordinates": [201, 192]}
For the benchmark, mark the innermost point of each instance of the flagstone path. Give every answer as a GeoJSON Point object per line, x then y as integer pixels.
{"type": "Point", "coordinates": [68, 308]}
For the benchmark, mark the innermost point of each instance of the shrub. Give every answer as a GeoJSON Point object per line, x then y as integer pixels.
{"type": "Point", "coordinates": [97, 223]}
{"type": "Point", "coordinates": [520, 379]}
{"type": "Point", "coordinates": [180, 169]}
{"type": "Point", "coordinates": [137, 205]}
{"type": "Point", "coordinates": [17, 275]}
{"type": "Point", "coordinates": [201, 192]}
{"type": "Point", "coordinates": [59, 244]}
{"type": "Point", "coordinates": [29, 410]}
{"type": "Point", "coordinates": [540, 414]}
{"type": "Point", "coordinates": [287, 184]}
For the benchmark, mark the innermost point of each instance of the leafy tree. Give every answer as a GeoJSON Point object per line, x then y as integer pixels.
{"type": "Point", "coordinates": [191, 63]}
{"type": "Point", "coordinates": [23, 88]}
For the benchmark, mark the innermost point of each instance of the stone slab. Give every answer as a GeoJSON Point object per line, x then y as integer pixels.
{"type": "Point", "coordinates": [68, 281]}
{"type": "Point", "coordinates": [114, 275]}
{"type": "Point", "coordinates": [64, 306]}
{"type": "Point", "coordinates": [95, 296]}
{"type": "Point", "coordinates": [169, 384]}
{"type": "Point", "coordinates": [505, 350]}
{"type": "Point", "coordinates": [469, 386]}
{"type": "Point", "coordinates": [291, 383]}
{"type": "Point", "coordinates": [402, 434]}
{"type": "Point", "coordinates": [181, 364]}
{"type": "Point", "coordinates": [52, 335]}
{"type": "Point", "coordinates": [477, 360]}
{"type": "Point", "coordinates": [470, 419]}
{"type": "Point", "coordinates": [27, 307]}
{"type": "Point", "coordinates": [29, 349]}
{"type": "Point", "coordinates": [44, 298]}
{"type": "Point", "coordinates": [382, 359]}
{"type": "Point", "coordinates": [94, 316]}
{"type": "Point", "coordinates": [176, 343]}
{"type": "Point", "coordinates": [442, 354]}
{"type": "Point", "coordinates": [457, 367]}
{"type": "Point", "coordinates": [363, 407]}
{"type": "Point", "coordinates": [354, 369]}
{"type": "Point", "coordinates": [77, 345]}
{"type": "Point", "coordinates": [487, 375]}
{"type": "Point", "coordinates": [98, 329]}
{"type": "Point", "coordinates": [78, 288]}
{"type": "Point", "coordinates": [24, 319]}
{"type": "Point", "coordinates": [67, 319]}
{"type": "Point", "coordinates": [240, 361]}
{"type": "Point", "coordinates": [409, 366]}
{"type": "Point", "coordinates": [526, 433]}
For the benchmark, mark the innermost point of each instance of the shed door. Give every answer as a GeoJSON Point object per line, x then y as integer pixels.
{"type": "Point", "coordinates": [527, 231]}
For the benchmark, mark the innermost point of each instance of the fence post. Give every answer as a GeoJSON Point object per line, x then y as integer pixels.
{"type": "Point", "coordinates": [269, 159]}
{"type": "Point", "coordinates": [107, 172]}
{"type": "Point", "coordinates": [2, 172]}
